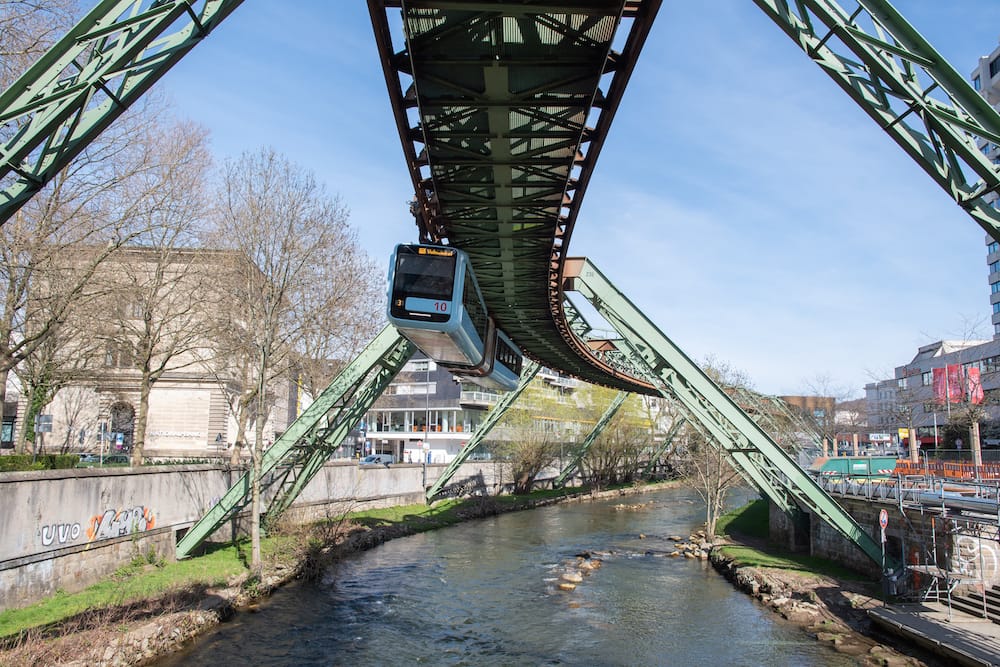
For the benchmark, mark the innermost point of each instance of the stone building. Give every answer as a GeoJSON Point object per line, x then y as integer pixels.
{"type": "Point", "coordinates": [190, 413]}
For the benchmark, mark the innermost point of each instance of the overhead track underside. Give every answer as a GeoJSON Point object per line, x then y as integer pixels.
{"type": "Point", "coordinates": [502, 109]}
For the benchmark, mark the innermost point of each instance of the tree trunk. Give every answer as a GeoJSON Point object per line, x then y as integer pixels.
{"type": "Point", "coordinates": [235, 458]}
{"type": "Point", "coordinates": [139, 436]}
{"type": "Point", "coordinates": [256, 563]}
{"type": "Point", "coordinates": [257, 458]}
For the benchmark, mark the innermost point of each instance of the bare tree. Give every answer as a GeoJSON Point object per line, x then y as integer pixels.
{"type": "Point", "coordinates": [158, 290]}
{"type": "Point", "coordinates": [532, 432]}
{"type": "Point", "coordinates": [27, 29]}
{"type": "Point", "coordinates": [620, 449]}
{"type": "Point", "coordinates": [339, 314]}
{"type": "Point", "coordinates": [53, 247]}
{"type": "Point", "coordinates": [286, 232]}
{"type": "Point", "coordinates": [704, 463]}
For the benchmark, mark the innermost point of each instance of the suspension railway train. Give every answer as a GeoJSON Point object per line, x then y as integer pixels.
{"type": "Point", "coordinates": [435, 302]}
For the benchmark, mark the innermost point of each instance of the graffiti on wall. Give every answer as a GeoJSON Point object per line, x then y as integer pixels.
{"type": "Point", "coordinates": [61, 533]}
{"type": "Point", "coordinates": [977, 556]}
{"type": "Point", "coordinates": [110, 523]}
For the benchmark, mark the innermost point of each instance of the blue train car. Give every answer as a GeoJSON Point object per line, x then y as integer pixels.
{"type": "Point", "coordinates": [435, 302]}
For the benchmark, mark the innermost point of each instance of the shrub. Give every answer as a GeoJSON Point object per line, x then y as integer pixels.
{"type": "Point", "coordinates": [18, 462]}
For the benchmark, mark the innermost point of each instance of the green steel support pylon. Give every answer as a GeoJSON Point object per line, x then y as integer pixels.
{"type": "Point", "coordinates": [907, 88]}
{"type": "Point", "coordinates": [708, 421]}
{"type": "Point", "coordinates": [588, 442]}
{"type": "Point", "coordinates": [528, 371]}
{"type": "Point", "coordinates": [317, 450]}
{"type": "Point", "coordinates": [87, 79]}
{"type": "Point", "coordinates": [667, 441]}
{"type": "Point", "coordinates": [308, 441]}
{"type": "Point", "coordinates": [755, 453]}
{"type": "Point", "coordinates": [623, 354]}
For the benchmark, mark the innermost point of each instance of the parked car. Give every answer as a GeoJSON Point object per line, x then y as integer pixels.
{"type": "Point", "coordinates": [376, 459]}
{"type": "Point", "coordinates": [87, 460]}
{"type": "Point", "coordinates": [91, 460]}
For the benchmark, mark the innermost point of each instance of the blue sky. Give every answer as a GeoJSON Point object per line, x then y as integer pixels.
{"type": "Point", "coordinates": [744, 202]}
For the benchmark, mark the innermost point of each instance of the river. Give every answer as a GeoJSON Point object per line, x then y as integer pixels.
{"type": "Point", "coordinates": [485, 593]}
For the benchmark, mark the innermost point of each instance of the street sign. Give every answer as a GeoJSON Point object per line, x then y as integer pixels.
{"type": "Point", "coordinates": [43, 423]}
{"type": "Point", "coordinates": [883, 518]}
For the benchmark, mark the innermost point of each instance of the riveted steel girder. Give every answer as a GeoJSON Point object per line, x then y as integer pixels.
{"type": "Point", "coordinates": [751, 449]}
{"type": "Point", "coordinates": [308, 441]}
{"type": "Point", "coordinates": [502, 108]}
{"type": "Point", "coordinates": [87, 79]}
{"type": "Point", "coordinates": [907, 88]}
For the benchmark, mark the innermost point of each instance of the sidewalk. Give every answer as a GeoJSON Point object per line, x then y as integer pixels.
{"type": "Point", "coordinates": [966, 639]}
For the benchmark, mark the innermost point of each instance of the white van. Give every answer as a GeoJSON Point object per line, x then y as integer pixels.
{"type": "Point", "coordinates": [378, 459]}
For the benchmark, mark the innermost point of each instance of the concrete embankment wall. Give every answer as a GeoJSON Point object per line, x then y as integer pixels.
{"type": "Point", "coordinates": [67, 529]}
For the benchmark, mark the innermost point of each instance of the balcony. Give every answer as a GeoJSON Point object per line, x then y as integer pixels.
{"type": "Point", "coordinates": [478, 399]}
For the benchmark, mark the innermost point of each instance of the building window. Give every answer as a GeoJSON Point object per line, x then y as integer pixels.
{"type": "Point", "coordinates": [992, 247]}
{"type": "Point", "coordinates": [994, 288]}
{"type": "Point", "coordinates": [413, 388]}
{"type": "Point", "coordinates": [901, 383]}
{"type": "Point", "coordinates": [976, 83]}
{"type": "Point", "coordinates": [994, 267]}
{"type": "Point", "coordinates": [418, 366]}
{"type": "Point", "coordinates": [927, 378]}
{"type": "Point", "coordinates": [118, 355]}
{"type": "Point", "coordinates": [994, 67]}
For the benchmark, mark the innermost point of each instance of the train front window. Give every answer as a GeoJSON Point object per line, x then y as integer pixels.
{"type": "Point", "coordinates": [425, 276]}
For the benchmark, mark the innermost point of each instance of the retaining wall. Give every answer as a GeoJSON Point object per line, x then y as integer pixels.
{"type": "Point", "coordinates": [67, 529]}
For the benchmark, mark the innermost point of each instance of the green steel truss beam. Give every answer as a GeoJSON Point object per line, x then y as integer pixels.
{"type": "Point", "coordinates": [907, 88]}
{"type": "Point", "coordinates": [752, 450]}
{"type": "Point", "coordinates": [703, 417]}
{"type": "Point", "coordinates": [581, 451]}
{"type": "Point", "coordinates": [760, 409]}
{"type": "Point", "coordinates": [308, 441]}
{"type": "Point", "coordinates": [796, 418]}
{"type": "Point", "coordinates": [619, 353]}
{"type": "Point", "coordinates": [314, 451]}
{"type": "Point", "coordinates": [654, 459]}
{"type": "Point", "coordinates": [87, 79]}
{"type": "Point", "coordinates": [528, 371]}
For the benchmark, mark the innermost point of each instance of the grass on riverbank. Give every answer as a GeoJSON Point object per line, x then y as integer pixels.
{"type": "Point", "coordinates": [751, 521]}
{"type": "Point", "coordinates": [148, 577]}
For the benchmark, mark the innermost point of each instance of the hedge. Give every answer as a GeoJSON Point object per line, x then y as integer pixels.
{"type": "Point", "coordinates": [16, 462]}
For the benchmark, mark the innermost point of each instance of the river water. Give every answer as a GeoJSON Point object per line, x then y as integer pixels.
{"type": "Point", "coordinates": [484, 593]}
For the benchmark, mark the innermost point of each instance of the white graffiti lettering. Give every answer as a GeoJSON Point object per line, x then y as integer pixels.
{"type": "Point", "coordinates": [977, 556]}
{"type": "Point", "coordinates": [60, 532]}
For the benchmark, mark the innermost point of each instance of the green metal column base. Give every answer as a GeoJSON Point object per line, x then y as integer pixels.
{"type": "Point", "coordinates": [752, 450]}
{"type": "Point", "coordinates": [307, 442]}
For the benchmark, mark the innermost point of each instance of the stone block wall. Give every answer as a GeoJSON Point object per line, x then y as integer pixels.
{"type": "Point", "coordinates": [912, 537]}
